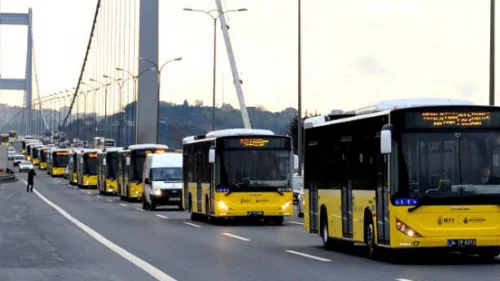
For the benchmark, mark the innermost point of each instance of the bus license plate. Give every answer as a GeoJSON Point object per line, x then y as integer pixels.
{"type": "Point", "coordinates": [461, 243]}
{"type": "Point", "coordinates": [174, 199]}
{"type": "Point", "coordinates": [255, 213]}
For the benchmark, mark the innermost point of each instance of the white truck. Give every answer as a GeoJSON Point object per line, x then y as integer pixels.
{"type": "Point", "coordinates": [4, 159]}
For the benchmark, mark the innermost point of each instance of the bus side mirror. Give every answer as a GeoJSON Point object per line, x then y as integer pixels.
{"type": "Point", "coordinates": [386, 139]}
{"type": "Point", "coordinates": [295, 162]}
{"type": "Point", "coordinates": [211, 155]}
{"type": "Point", "coordinates": [127, 161]}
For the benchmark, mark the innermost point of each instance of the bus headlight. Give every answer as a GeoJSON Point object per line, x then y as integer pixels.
{"type": "Point", "coordinates": [285, 206]}
{"type": "Point", "coordinates": [221, 205]}
{"type": "Point", "coordinates": [406, 230]}
{"type": "Point", "coordinates": [157, 192]}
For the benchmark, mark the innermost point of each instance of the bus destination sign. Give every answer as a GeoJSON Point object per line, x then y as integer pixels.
{"type": "Point", "coordinates": [448, 119]}
{"type": "Point", "coordinates": [254, 142]}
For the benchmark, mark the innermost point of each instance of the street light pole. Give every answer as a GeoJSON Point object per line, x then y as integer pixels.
{"type": "Point", "coordinates": [120, 86]}
{"type": "Point", "coordinates": [136, 79]}
{"type": "Point", "coordinates": [158, 77]}
{"type": "Point", "coordinates": [299, 113]}
{"type": "Point", "coordinates": [492, 52]}
{"type": "Point", "coordinates": [215, 18]}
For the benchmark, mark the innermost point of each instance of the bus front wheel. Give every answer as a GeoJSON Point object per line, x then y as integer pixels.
{"type": "Point", "coordinates": [325, 235]}
{"type": "Point", "coordinates": [370, 239]}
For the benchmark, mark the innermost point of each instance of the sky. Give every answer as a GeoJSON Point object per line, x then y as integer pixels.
{"type": "Point", "coordinates": [354, 52]}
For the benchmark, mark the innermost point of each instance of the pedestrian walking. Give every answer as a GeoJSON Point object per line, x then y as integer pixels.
{"type": "Point", "coordinates": [31, 175]}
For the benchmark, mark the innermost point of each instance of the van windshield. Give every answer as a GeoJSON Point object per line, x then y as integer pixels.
{"type": "Point", "coordinates": [166, 174]}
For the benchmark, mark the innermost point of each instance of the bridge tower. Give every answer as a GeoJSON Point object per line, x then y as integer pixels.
{"type": "Point", "coordinates": [26, 83]}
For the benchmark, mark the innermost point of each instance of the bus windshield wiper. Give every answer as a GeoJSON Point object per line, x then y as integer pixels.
{"type": "Point", "coordinates": [421, 202]}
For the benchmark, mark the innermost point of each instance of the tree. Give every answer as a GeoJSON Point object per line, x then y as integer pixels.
{"type": "Point", "coordinates": [198, 103]}
{"type": "Point", "coordinates": [185, 104]}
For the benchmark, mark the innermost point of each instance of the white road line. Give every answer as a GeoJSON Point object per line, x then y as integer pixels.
{"type": "Point", "coordinates": [147, 267]}
{"type": "Point", "coordinates": [306, 255]}
{"type": "Point", "coordinates": [296, 222]}
{"type": "Point", "coordinates": [109, 200]}
{"type": "Point", "coordinates": [89, 193]}
{"type": "Point", "coordinates": [160, 216]}
{"type": "Point", "coordinates": [139, 209]}
{"type": "Point", "coordinates": [191, 224]}
{"type": "Point", "coordinates": [402, 279]}
{"type": "Point", "coordinates": [124, 205]}
{"type": "Point", "coordinates": [99, 197]}
{"type": "Point", "coordinates": [236, 236]}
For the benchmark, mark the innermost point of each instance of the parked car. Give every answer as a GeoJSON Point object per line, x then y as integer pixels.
{"type": "Point", "coordinates": [18, 158]}
{"type": "Point", "coordinates": [25, 166]}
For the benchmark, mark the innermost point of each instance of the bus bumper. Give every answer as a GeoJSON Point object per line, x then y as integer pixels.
{"type": "Point", "coordinates": [135, 191]}
{"type": "Point", "coordinates": [42, 166]}
{"type": "Point", "coordinates": [58, 172]}
{"type": "Point", "coordinates": [89, 181]}
{"type": "Point", "coordinates": [111, 186]}
{"type": "Point", "coordinates": [449, 244]}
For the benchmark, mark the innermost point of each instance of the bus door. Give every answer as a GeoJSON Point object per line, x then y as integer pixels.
{"type": "Point", "coordinates": [346, 190]}
{"type": "Point", "coordinates": [313, 208]}
{"type": "Point", "coordinates": [382, 196]}
{"type": "Point", "coordinates": [199, 190]}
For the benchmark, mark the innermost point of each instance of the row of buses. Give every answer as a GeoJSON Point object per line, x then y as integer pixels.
{"type": "Point", "coordinates": [405, 174]}
{"type": "Point", "coordinates": [224, 174]}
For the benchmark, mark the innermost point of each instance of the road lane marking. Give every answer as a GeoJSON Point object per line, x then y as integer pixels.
{"type": "Point", "coordinates": [139, 209]}
{"type": "Point", "coordinates": [147, 267]}
{"type": "Point", "coordinates": [99, 197]}
{"type": "Point", "coordinates": [236, 236]}
{"type": "Point", "coordinates": [160, 216]}
{"type": "Point", "coordinates": [109, 200]}
{"type": "Point", "coordinates": [307, 256]}
{"type": "Point", "coordinates": [124, 205]}
{"type": "Point", "coordinates": [402, 279]}
{"type": "Point", "coordinates": [89, 193]}
{"type": "Point", "coordinates": [296, 222]}
{"type": "Point", "coordinates": [82, 190]}
{"type": "Point", "coordinates": [191, 224]}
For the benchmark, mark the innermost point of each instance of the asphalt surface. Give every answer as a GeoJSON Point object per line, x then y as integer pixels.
{"type": "Point", "coordinates": [38, 243]}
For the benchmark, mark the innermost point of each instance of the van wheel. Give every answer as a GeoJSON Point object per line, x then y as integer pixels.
{"type": "Point", "coordinates": [370, 239]}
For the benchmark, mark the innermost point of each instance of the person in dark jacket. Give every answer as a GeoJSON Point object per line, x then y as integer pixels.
{"type": "Point", "coordinates": [31, 175]}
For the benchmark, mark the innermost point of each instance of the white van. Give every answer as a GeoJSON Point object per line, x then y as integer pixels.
{"type": "Point", "coordinates": [162, 180]}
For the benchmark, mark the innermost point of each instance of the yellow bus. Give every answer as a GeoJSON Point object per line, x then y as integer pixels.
{"type": "Point", "coordinates": [35, 154]}
{"type": "Point", "coordinates": [107, 170]}
{"type": "Point", "coordinates": [58, 160]}
{"type": "Point", "coordinates": [4, 139]}
{"type": "Point", "coordinates": [73, 168]}
{"type": "Point", "coordinates": [87, 168]}
{"type": "Point", "coordinates": [238, 173]}
{"type": "Point", "coordinates": [130, 164]}
{"type": "Point", "coordinates": [406, 174]}
{"type": "Point", "coordinates": [43, 155]}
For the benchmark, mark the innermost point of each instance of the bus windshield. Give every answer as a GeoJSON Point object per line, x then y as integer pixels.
{"type": "Point", "coordinates": [43, 156]}
{"type": "Point", "coordinates": [255, 169]}
{"type": "Point", "coordinates": [166, 174]}
{"type": "Point", "coordinates": [112, 165]}
{"type": "Point", "coordinates": [60, 160]}
{"type": "Point", "coordinates": [449, 166]}
{"type": "Point", "coordinates": [90, 165]}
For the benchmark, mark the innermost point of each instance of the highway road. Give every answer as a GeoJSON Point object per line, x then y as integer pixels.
{"type": "Point", "coordinates": [64, 233]}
